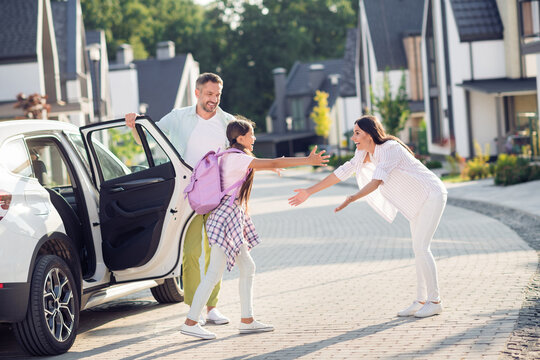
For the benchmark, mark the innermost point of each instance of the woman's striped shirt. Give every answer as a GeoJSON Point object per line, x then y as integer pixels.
{"type": "Point", "coordinates": [406, 182]}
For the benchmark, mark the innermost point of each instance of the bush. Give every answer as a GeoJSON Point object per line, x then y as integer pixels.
{"type": "Point", "coordinates": [478, 168]}
{"type": "Point", "coordinates": [433, 164]}
{"type": "Point", "coordinates": [457, 164]}
{"type": "Point", "coordinates": [510, 170]}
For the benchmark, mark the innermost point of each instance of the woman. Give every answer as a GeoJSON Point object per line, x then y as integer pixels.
{"type": "Point", "coordinates": [392, 180]}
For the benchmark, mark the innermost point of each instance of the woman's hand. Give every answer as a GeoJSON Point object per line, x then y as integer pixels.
{"type": "Point", "coordinates": [349, 199]}
{"type": "Point", "coordinates": [300, 197]}
{"type": "Point", "coordinates": [318, 159]}
{"type": "Point", "coordinates": [278, 170]}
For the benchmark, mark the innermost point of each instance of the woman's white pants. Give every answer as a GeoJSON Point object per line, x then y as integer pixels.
{"type": "Point", "coordinates": [216, 268]}
{"type": "Point", "coordinates": [423, 228]}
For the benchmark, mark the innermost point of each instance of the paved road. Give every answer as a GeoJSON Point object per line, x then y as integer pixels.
{"type": "Point", "coordinates": [331, 284]}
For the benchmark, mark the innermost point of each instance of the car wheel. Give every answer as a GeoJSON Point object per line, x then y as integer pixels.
{"type": "Point", "coordinates": [171, 291]}
{"type": "Point", "coordinates": [51, 321]}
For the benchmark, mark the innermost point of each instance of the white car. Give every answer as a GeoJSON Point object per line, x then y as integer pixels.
{"type": "Point", "coordinates": [86, 216]}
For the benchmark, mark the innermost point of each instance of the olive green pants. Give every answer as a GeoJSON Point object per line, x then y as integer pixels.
{"type": "Point", "coordinates": [191, 273]}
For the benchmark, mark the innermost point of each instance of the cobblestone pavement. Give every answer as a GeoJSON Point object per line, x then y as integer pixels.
{"type": "Point", "coordinates": [331, 284]}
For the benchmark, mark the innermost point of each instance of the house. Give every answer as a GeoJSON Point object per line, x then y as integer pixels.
{"type": "Point", "coordinates": [478, 77]}
{"type": "Point", "coordinates": [167, 81]}
{"type": "Point", "coordinates": [42, 50]}
{"type": "Point", "coordinates": [529, 46]}
{"type": "Point", "coordinates": [289, 127]}
{"type": "Point", "coordinates": [389, 41]}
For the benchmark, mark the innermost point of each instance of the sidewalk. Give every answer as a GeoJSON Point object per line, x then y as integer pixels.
{"type": "Point", "coordinates": [524, 197]}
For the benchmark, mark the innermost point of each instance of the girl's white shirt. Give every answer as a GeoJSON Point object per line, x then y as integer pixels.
{"type": "Point", "coordinates": [406, 182]}
{"type": "Point", "coordinates": [233, 167]}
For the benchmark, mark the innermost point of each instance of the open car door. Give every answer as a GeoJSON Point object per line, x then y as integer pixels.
{"type": "Point", "coordinates": [142, 210]}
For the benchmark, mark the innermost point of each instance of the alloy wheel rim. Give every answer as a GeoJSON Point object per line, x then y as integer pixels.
{"type": "Point", "coordinates": [58, 304]}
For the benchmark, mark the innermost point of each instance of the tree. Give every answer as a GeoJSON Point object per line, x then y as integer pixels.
{"type": "Point", "coordinates": [242, 41]}
{"type": "Point", "coordinates": [321, 115]}
{"type": "Point", "coordinates": [275, 33]}
{"type": "Point", "coordinates": [394, 110]}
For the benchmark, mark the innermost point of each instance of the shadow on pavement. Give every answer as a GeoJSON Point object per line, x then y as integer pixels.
{"type": "Point", "coordinates": [89, 320]}
{"type": "Point", "coordinates": [306, 349]}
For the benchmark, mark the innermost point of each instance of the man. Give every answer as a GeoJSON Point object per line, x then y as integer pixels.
{"type": "Point", "coordinates": [195, 130]}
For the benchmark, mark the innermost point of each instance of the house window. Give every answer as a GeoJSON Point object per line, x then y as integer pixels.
{"type": "Point", "coordinates": [298, 116]}
{"type": "Point", "coordinates": [530, 20]}
{"type": "Point", "coordinates": [433, 80]}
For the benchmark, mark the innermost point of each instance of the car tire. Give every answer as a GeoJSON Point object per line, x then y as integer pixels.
{"type": "Point", "coordinates": [52, 318]}
{"type": "Point", "coordinates": [171, 291]}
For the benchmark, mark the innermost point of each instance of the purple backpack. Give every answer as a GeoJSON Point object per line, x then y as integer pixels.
{"type": "Point", "coordinates": [204, 190]}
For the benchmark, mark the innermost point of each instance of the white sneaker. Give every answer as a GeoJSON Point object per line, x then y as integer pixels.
{"type": "Point", "coordinates": [202, 320]}
{"type": "Point", "coordinates": [429, 309]}
{"type": "Point", "coordinates": [254, 327]}
{"type": "Point", "coordinates": [214, 316]}
{"type": "Point", "coordinates": [411, 310]}
{"type": "Point", "coordinates": [197, 331]}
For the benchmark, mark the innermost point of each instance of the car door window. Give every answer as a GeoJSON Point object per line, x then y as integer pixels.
{"type": "Point", "coordinates": [119, 154]}
{"type": "Point", "coordinates": [76, 140]}
{"type": "Point", "coordinates": [48, 163]}
{"type": "Point", "coordinates": [158, 155]}
{"type": "Point", "coordinates": [15, 157]}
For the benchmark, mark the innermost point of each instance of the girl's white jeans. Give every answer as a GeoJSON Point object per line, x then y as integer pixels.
{"type": "Point", "coordinates": [216, 268]}
{"type": "Point", "coordinates": [423, 228]}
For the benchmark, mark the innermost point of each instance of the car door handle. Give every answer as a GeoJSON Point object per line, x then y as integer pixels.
{"type": "Point", "coordinates": [132, 214]}
{"type": "Point", "coordinates": [116, 189]}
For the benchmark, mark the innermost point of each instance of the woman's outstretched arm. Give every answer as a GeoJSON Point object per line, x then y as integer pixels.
{"type": "Point", "coordinates": [303, 194]}
{"type": "Point", "coordinates": [368, 189]}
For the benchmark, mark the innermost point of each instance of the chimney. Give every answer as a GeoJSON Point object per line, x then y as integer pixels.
{"type": "Point", "coordinates": [165, 50]}
{"type": "Point", "coordinates": [124, 54]}
{"type": "Point", "coordinates": [316, 76]}
{"type": "Point", "coordinates": [280, 82]}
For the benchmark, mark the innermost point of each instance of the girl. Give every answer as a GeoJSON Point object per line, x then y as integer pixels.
{"type": "Point", "coordinates": [231, 232]}
{"type": "Point", "coordinates": [392, 179]}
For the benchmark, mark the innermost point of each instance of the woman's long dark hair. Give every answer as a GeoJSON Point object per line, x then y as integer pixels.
{"type": "Point", "coordinates": [238, 127]}
{"type": "Point", "coordinates": [371, 125]}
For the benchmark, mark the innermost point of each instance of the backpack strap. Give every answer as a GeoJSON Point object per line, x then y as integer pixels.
{"type": "Point", "coordinates": [237, 184]}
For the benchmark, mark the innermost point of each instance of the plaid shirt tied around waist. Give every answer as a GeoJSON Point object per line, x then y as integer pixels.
{"type": "Point", "coordinates": [228, 227]}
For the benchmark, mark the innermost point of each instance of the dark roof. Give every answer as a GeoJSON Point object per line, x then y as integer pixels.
{"type": "Point", "coordinates": [18, 29]}
{"type": "Point", "coordinates": [347, 86]}
{"type": "Point", "coordinates": [389, 21]}
{"type": "Point", "coordinates": [66, 31]}
{"type": "Point", "coordinates": [93, 37]}
{"type": "Point", "coordinates": [298, 79]}
{"type": "Point", "coordinates": [477, 20]}
{"type": "Point", "coordinates": [501, 86]}
{"type": "Point", "coordinates": [59, 10]}
{"type": "Point", "coordinates": [159, 81]}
